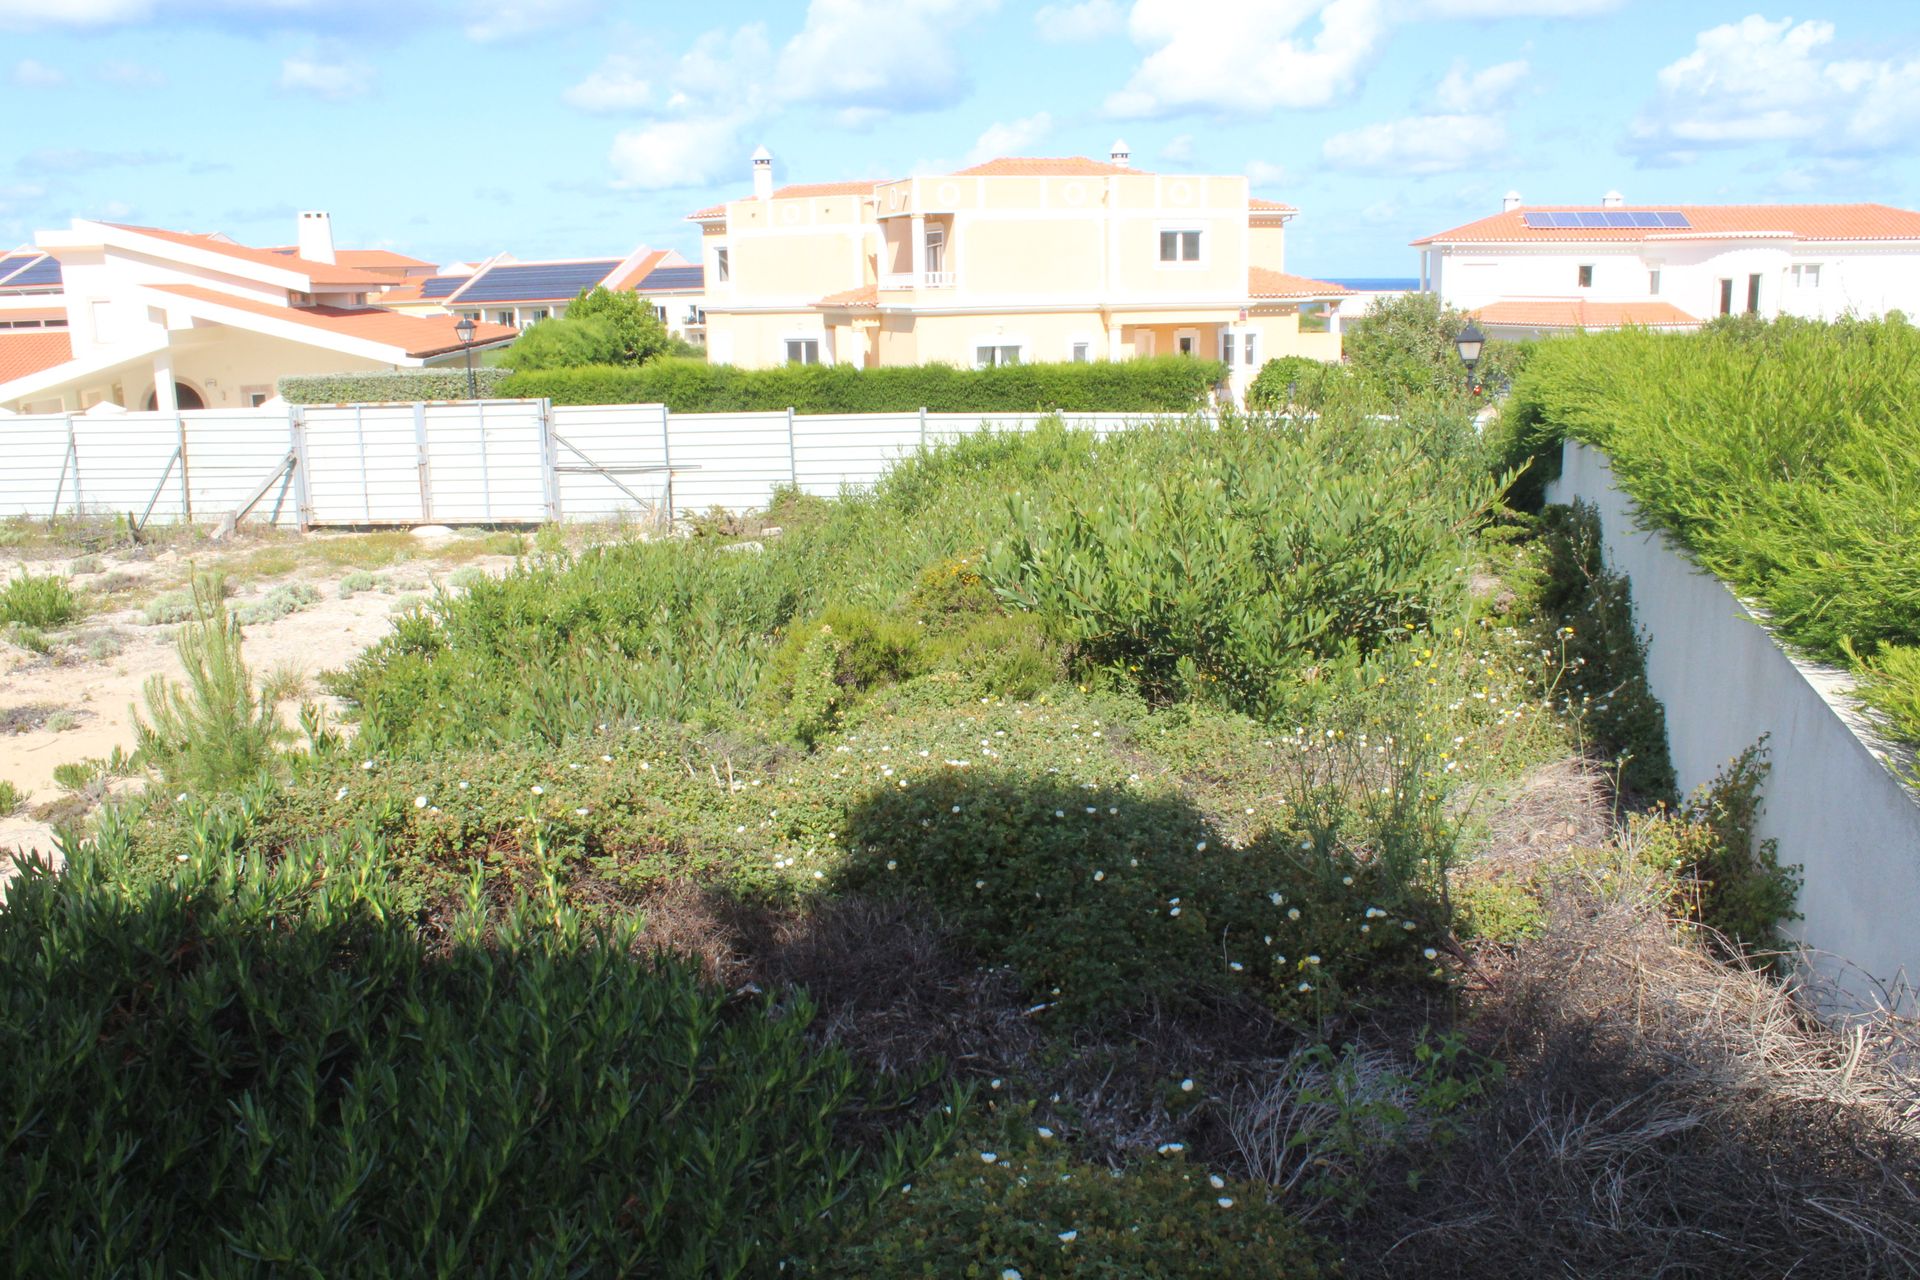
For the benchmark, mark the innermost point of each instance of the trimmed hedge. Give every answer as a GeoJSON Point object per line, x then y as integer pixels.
{"type": "Point", "coordinates": [401, 385]}
{"type": "Point", "coordinates": [1164, 384]}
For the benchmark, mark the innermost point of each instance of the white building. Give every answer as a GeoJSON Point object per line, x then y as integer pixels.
{"type": "Point", "coordinates": [1531, 270]}
{"type": "Point", "coordinates": [170, 320]}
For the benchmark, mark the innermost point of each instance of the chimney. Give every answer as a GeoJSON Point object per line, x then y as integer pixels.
{"type": "Point", "coordinates": [316, 237]}
{"type": "Point", "coordinates": [1612, 200]}
{"type": "Point", "coordinates": [1511, 203]}
{"type": "Point", "coordinates": [1120, 155]}
{"type": "Point", "coordinates": [762, 174]}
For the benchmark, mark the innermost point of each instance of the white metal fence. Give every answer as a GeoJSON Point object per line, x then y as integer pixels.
{"type": "Point", "coordinates": [459, 462]}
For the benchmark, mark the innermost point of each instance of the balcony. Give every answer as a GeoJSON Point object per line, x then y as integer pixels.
{"type": "Point", "coordinates": [926, 280]}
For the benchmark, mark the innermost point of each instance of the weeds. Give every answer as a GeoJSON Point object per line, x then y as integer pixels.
{"type": "Point", "coordinates": [38, 600]}
{"type": "Point", "coordinates": [10, 799]}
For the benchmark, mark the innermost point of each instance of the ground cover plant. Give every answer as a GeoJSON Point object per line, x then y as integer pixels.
{"type": "Point", "coordinates": [1785, 457]}
{"type": "Point", "coordinates": [1228, 939]}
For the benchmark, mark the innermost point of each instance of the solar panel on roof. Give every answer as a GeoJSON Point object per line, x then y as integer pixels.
{"type": "Point", "coordinates": [44, 273]}
{"type": "Point", "coordinates": [673, 278]}
{"type": "Point", "coordinates": [1646, 219]}
{"type": "Point", "coordinates": [10, 265]}
{"type": "Point", "coordinates": [1675, 220]}
{"type": "Point", "coordinates": [440, 286]}
{"type": "Point", "coordinates": [538, 281]}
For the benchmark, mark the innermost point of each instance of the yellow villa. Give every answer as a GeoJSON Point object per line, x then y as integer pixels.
{"type": "Point", "coordinates": [1014, 260]}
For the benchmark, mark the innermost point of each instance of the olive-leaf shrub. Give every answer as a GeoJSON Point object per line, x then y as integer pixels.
{"type": "Point", "coordinates": [244, 1071]}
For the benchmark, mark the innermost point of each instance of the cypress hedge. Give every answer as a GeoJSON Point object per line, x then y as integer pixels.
{"type": "Point", "coordinates": [400, 385]}
{"type": "Point", "coordinates": [1165, 384]}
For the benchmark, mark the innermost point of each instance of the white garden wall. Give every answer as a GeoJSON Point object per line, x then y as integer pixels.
{"type": "Point", "coordinates": [1830, 800]}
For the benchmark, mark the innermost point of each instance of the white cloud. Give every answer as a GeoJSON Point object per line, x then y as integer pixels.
{"type": "Point", "coordinates": [132, 75]}
{"type": "Point", "coordinates": [1264, 173]}
{"type": "Point", "coordinates": [1010, 138]}
{"type": "Point", "coordinates": [27, 14]}
{"type": "Point", "coordinates": [507, 19]}
{"type": "Point", "coordinates": [1756, 81]}
{"type": "Point", "coordinates": [1247, 55]}
{"type": "Point", "coordinates": [1489, 90]}
{"type": "Point", "coordinates": [1511, 8]}
{"type": "Point", "coordinates": [1418, 144]}
{"type": "Point", "coordinates": [1178, 149]}
{"type": "Point", "coordinates": [30, 74]}
{"type": "Point", "coordinates": [888, 54]}
{"type": "Point", "coordinates": [1072, 23]}
{"type": "Point", "coordinates": [618, 84]}
{"type": "Point", "coordinates": [677, 153]}
{"type": "Point", "coordinates": [1381, 213]}
{"type": "Point", "coordinates": [331, 79]}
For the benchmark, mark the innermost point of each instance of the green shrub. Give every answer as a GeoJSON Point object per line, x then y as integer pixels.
{"type": "Point", "coordinates": [38, 600]}
{"type": "Point", "coordinates": [253, 1065]}
{"type": "Point", "coordinates": [361, 580]}
{"type": "Point", "coordinates": [1036, 1212]}
{"type": "Point", "coordinates": [1165, 384]}
{"type": "Point", "coordinates": [1288, 381]}
{"type": "Point", "coordinates": [211, 734]}
{"type": "Point", "coordinates": [1781, 455]}
{"type": "Point", "coordinates": [10, 799]}
{"type": "Point", "coordinates": [395, 386]}
{"type": "Point", "coordinates": [1726, 880]}
{"type": "Point", "coordinates": [32, 639]}
{"type": "Point", "coordinates": [1404, 348]}
{"type": "Point", "coordinates": [563, 343]}
{"type": "Point", "coordinates": [278, 603]}
{"type": "Point", "coordinates": [1227, 564]}
{"type": "Point", "coordinates": [1890, 682]}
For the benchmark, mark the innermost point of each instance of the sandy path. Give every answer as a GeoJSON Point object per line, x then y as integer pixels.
{"type": "Point", "coordinates": [101, 695]}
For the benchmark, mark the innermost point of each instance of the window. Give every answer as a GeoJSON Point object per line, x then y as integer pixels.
{"type": "Point", "coordinates": [1179, 246]}
{"type": "Point", "coordinates": [720, 271]}
{"type": "Point", "coordinates": [987, 357]}
{"type": "Point", "coordinates": [1726, 297]}
{"type": "Point", "coordinates": [1806, 276]}
{"type": "Point", "coordinates": [1586, 276]}
{"type": "Point", "coordinates": [1753, 294]}
{"type": "Point", "coordinates": [1226, 346]}
{"type": "Point", "coordinates": [538, 314]}
{"type": "Point", "coordinates": [1186, 341]}
{"type": "Point", "coordinates": [1653, 282]}
{"type": "Point", "coordinates": [504, 317]}
{"type": "Point", "coordinates": [660, 312]}
{"type": "Point", "coordinates": [696, 316]}
{"type": "Point", "coordinates": [936, 249]}
{"type": "Point", "coordinates": [803, 351]}
{"type": "Point", "coordinates": [1082, 352]}
{"type": "Point", "coordinates": [254, 397]}
{"type": "Point", "coordinates": [1250, 347]}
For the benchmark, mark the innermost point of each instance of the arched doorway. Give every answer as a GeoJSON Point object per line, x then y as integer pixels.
{"type": "Point", "coordinates": [184, 396]}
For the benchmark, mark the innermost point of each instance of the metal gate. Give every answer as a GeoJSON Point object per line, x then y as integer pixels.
{"type": "Point", "coordinates": [482, 462]}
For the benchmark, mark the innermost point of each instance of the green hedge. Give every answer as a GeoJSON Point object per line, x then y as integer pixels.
{"type": "Point", "coordinates": [1166, 384]}
{"type": "Point", "coordinates": [404, 385]}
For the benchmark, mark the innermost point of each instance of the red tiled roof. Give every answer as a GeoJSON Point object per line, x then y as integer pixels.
{"type": "Point", "coordinates": [417, 336]}
{"type": "Point", "coordinates": [710, 212]}
{"type": "Point", "coordinates": [25, 351]}
{"type": "Point", "coordinates": [1262, 283]}
{"type": "Point", "coordinates": [865, 297]}
{"type": "Point", "coordinates": [1799, 221]}
{"type": "Point", "coordinates": [796, 191]}
{"type": "Point", "coordinates": [1045, 167]}
{"type": "Point", "coordinates": [1270, 206]}
{"type": "Point", "coordinates": [320, 273]}
{"type": "Point", "coordinates": [1577, 313]}
{"type": "Point", "coordinates": [362, 259]}
{"type": "Point", "coordinates": [38, 315]}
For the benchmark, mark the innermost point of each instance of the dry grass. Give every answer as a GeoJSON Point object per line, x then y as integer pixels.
{"type": "Point", "coordinates": [1557, 807]}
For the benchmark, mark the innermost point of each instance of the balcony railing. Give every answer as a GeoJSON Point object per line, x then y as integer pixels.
{"type": "Point", "coordinates": [926, 280]}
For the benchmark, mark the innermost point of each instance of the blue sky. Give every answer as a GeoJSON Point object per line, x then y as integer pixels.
{"type": "Point", "coordinates": [584, 127]}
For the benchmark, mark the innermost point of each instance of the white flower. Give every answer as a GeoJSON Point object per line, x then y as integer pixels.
{"type": "Point", "coordinates": [1173, 911]}
{"type": "Point", "coordinates": [1201, 847]}
{"type": "Point", "coordinates": [1068, 1237]}
{"type": "Point", "coordinates": [1009, 1273]}
{"type": "Point", "coordinates": [956, 808]}
{"type": "Point", "coordinates": [1225, 1202]}
{"type": "Point", "coordinates": [539, 790]}
{"type": "Point", "coordinates": [994, 1083]}
{"type": "Point", "coordinates": [1186, 1086]}
{"type": "Point", "coordinates": [1313, 959]}
{"type": "Point", "coordinates": [1305, 986]}
{"type": "Point", "coordinates": [1407, 925]}
{"type": "Point", "coordinates": [1045, 1132]}
{"type": "Point", "coordinates": [419, 802]}
{"type": "Point", "coordinates": [367, 765]}
{"type": "Point", "coordinates": [1171, 1148]}
{"type": "Point", "coordinates": [1099, 875]}
{"type": "Point", "coordinates": [181, 858]}
{"type": "Point", "coordinates": [341, 794]}
{"type": "Point", "coordinates": [182, 797]}
{"type": "Point", "coordinates": [1431, 954]}
{"type": "Point", "coordinates": [1059, 813]}
{"type": "Point", "coordinates": [606, 759]}
{"type": "Point", "coordinates": [979, 884]}
{"type": "Point", "coordinates": [463, 786]}
{"type": "Point", "coordinates": [1236, 966]}
{"type": "Point", "coordinates": [988, 1156]}
{"type": "Point", "coordinates": [581, 812]}
{"type": "Point", "coordinates": [1217, 1182]}
{"type": "Point", "coordinates": [892, 865]}
{"type": "Point", "coordinates": [1293, 913]}
{"type": "Point", "coordinates": [1346, 880]}
{"type": "Point", "coordinates": [1275, 898]}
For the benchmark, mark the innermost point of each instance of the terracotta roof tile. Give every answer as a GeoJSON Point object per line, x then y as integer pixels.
{"type": "Point", "coordinates": [865, 297]}
{"type": "Point", "coordinates": [1045, 167]}
{"type": "Point", "coordinates": [1798, 221]}
{"type": "Point", "coordinates": [1577, 313]}
{"type": "Point", "coordinates": [25, 351]}
{"type": "Point", "coordinates": [1262, 283]}
{"type": "Point", "coordinates": [417, 336]}
{"type": "Point", "coordinates": [796, 191]}
{"type": "Point", "coordinates": [1270, 206]}
{"type": "Point", "coordinates": [320, 273]}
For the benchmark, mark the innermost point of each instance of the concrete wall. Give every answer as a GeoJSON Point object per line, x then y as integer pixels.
{"type": "Point", "coordinates": [1830, 800]}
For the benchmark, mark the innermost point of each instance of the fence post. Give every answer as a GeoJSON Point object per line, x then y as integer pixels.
{"type": "Point", "coordinates": [297, 441]}
{"type": "Point", "coordinates": [186, 491]}
{"type": "Point", "coordinates": [793, 465]}
{"type": "Point", "coordinates": [73, 447]}
{"type": "Point", "coordinates": [550, 461]}
{"type": "Point", "coordinates": [66, 459]}
{"type": "Point", "coordinates": [422, 467]}
{"type": "Point", "coordinates": [923, 428]}
{"type": "Point", "coordinates": [666, 457]}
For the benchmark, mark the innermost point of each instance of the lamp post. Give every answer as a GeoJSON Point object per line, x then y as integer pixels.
{"type": "Point", "coordinates": [1468, 344]}
{"type": "Point", "coordinates": [465, 329]}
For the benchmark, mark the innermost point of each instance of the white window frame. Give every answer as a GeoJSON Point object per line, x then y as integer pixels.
{"type": "Point", "coordinates": [999, 344]}
{"type": "Point", "coordinates": [248, 393]}
{"type": "Point", "coordinates": [1250, 347]}
{"type": "Point", "coordinates": [819, 348]}
{"type": "Point", "coordinates": [505, 315]}
{"type": "Point", "coordinates": [1189, 335]}
{"type": "Point", "coordinates": [1653, 282]}
{"type": "Point", "coordinates": [722, 264]}
{"type": "Point", "coordinates": [1806, 275]}
{"type": "Point", "coordinates": [1201, 246]}
{"type": "Point", "coordinates": [1229, 346]}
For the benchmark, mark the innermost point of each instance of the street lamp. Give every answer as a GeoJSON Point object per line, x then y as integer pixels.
{"type": "Point", "coordinates": [1468, 344]}
{"type": "Point", "coordinates": [465, 329]}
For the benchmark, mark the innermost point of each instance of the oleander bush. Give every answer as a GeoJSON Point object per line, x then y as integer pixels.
{"type": "Point", "coordinates": [1783, 456]}
{"type": "Point", "coordinates": [245, 1068]}
{"type": "Point", "coordinates": [1163, 384]}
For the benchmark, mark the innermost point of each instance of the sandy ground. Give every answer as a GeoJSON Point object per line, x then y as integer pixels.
{"type": "Point", "coordinates": [91, 701]}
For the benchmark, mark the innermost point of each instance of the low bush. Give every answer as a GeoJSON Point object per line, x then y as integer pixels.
{"type": "Point", "coordinates": [398, 385]}
{"type": "Point", "coordinates": [283, 600]}
{"type": "Point", "coordinates": [276, 1066]}
{"type": "Point", "coordinates": [10, 799]}
{"type": "Point", "coordinates": [38, 600]}
{"type": "Point", "coordinates": [1165, 384]}
{"type": "Point", "coordinates": [1288, 382]}
{"type": "Point", "coordinates": [1015, 1203]}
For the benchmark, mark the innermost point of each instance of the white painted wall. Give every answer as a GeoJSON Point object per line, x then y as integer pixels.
{"type": "Point", "coordinates": [1830, 801]}
{"type": "Point", "coordinates": [1861, 279]}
